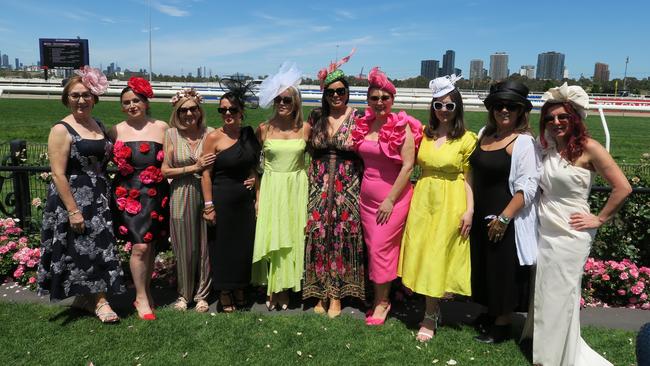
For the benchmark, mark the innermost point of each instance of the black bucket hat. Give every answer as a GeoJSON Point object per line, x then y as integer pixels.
{"type": "Point", "coordinates": [508, 91]}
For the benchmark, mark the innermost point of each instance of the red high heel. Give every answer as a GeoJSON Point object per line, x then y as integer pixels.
{"type": "Point", "coordinates": [376, 321]}
{"type": "Point", "coordinates": [148, 316]}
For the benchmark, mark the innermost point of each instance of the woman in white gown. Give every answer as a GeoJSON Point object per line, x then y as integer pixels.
{"type": "Point", "coordinates": [566, 226]}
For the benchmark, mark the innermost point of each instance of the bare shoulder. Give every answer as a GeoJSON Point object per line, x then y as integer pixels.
{"type": "Point", "coordinates": [161, 124]}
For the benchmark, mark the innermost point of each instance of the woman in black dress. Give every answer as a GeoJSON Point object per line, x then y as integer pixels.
{"type": "Point", "coordinates": [230, 202]}
{"type": "Point", "coordinates": [505, 171]}
{"type": "Point", "coordinates": [78, 253]}
{"type": "Point", "coordinates": [140, 191]}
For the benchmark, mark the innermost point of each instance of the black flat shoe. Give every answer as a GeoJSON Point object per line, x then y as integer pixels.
{"type": "Point", "coordinates": [497, 334]}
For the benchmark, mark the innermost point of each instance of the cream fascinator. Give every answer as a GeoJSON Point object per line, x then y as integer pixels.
{"type": "Point", "coordinates": [573, 94]}
{"type": "Point", "coordinates": [443, 85]}
{"type": "Point", "coordinates": [288, 76]}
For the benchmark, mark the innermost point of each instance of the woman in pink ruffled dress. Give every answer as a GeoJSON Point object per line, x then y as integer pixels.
{"type": "Point", "coordinates": [386, 142]}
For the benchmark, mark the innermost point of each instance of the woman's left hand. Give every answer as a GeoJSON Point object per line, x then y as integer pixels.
{"type": "Point", "coordinates": [384, 211]}
{"type": "Point", "coordinates": [465, 224]}
{"type": "Point", "coordinates": [250, 183]}
{"type": "Point", "coordinates": [496, 230]}
{"type": "Point", "coordinates": [584, 221]}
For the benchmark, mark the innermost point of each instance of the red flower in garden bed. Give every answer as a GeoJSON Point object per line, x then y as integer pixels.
{"type": "Point", "coordinates": [121, 191]}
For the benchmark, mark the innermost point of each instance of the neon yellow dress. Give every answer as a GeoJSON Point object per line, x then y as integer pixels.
{"type": "Point", "coordinates": [279, 250]}
{"type": "Point", "coordinates": [434, 258]}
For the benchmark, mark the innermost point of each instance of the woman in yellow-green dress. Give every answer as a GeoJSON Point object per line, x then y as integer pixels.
{"type": "Point", "coordinates": [435, 258]}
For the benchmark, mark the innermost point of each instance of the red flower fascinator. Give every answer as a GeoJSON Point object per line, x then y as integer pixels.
{"type": "Point", "coordinates": [140, 86]}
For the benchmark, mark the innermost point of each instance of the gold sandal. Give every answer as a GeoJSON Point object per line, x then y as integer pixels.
{"type": "Point", "coordinates": [180, 304]}
{"type": "Point", "coordinates": [202, 306]}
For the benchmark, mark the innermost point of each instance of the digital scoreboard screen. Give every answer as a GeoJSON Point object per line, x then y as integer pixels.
{"type": "Point", "coordinates": [68, 53]}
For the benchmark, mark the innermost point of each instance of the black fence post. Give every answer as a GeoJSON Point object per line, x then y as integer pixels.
{"type": "Point", "coordinates": [18, 150]}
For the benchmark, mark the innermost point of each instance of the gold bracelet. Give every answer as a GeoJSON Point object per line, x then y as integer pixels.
{"type": "Point", "coordinates": [72, 213]}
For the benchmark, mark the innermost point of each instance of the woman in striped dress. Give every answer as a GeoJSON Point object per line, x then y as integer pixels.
{"type": "Point", "coordinates": [183, 164]}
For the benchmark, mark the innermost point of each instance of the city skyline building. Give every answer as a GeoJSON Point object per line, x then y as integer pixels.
{"type": "Point", "coordinates": [476, 69]}
{"type": "Point", "coordinates": [499, 66]}
{"type": "Point", "coordinates": [429, 68]}
{"type": "Point", "coordinates": [5, 61]}
{"type": "Point", "coordinates": [527, 71]}
{"type": "Point", "coordinates": [550, 66]}
{"type": "Point", "coordinates": [601, 72]}
{"type": "Point", "coordinates": [448, 61]}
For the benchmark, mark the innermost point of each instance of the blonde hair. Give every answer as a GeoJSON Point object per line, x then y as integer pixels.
{"type": "Point", "coordinates": [175, 121]}
{"type": "Point", "coordinates": [296, 105]}
{"type": "Point", "coordinates": [66, 90]}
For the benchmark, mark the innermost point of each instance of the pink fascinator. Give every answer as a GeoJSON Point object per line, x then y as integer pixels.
{"type": "Point", "coordinates": [328, 74]}
{"type": "Point", "coordinates": [378, 79]}
{"type": "Point", "coordinates": [93, 79]}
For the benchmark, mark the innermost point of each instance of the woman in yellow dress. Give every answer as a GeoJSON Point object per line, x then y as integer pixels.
{"type": "Point", "coordinates": [434, 259]}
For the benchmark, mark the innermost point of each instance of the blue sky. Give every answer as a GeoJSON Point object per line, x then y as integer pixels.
{"type": "Point", "coordinates": [254, 37]}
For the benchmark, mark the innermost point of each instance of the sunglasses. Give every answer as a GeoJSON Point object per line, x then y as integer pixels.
{"type": "Point", "coordinates": [375, 98]}
{"type": "Point", "coordinates": [338, 91]}
{"type": "Point", "coordinates": [283, 100]}
{"type": "Point", "coordinates": [511, 107]}
{"type": "Point", "coordinates": [562, 117]}
{"type": "Point", "coordinates": [232, 110]}
{"type": "Point", "coordinates": [184, 110]}
{"type": "Point", "coordinates": [448, 106]}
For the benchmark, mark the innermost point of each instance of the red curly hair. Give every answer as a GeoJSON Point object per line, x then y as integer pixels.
{"type": "Point", "coordinates": [576, 133]}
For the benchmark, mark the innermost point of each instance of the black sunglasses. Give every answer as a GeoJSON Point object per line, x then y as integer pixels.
{"type": "Point", "coordinates": [448, 106]}
{"type": "Point", "coordinates": [375, 98]}
{"type": "Point", "coordinates": [232, 110]}
{"type": "Point", "coordinates": [183, 110]}
{"type": "Point", "coordinates": [338, 91]}
{"type": "Point", "coordinates": [511, 107]}
{"type": "Point", "coordinates": [562, 117]}
{"type": "Point", "coordinates": [284, 100]}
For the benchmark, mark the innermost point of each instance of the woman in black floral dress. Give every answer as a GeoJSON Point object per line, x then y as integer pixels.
{"type": "Point", "coordinates": [334, 253]}
{"type": "Point", "coordinates": [140, 190]}
{"type": "Point", "coordinates": [78, 254]}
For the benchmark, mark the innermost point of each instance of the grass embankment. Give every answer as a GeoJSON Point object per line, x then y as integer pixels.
{"type": "Point", "coordinates": [31, 119]}
{"type": "Point", "coordinates": [53, 335]}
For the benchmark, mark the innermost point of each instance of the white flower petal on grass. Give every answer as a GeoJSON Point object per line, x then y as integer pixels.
{"type": "Point", "coordinates": [435, 361]}
{"type": "Point", "coordinates": [299, 333]}
{"type": "Point", "coordinates": [299, 353]}
{"type": "Point", "coordinates": [213, 314]}
{"type": "Point", "coordinates": [451, 362]}
{"type": "Point", "coordinates": [268, 346]}
{"type": "Point", "coordinates": [471, 358]}
{"type": "Point", "coordinates": [347, 345]}
{"type": "Point", "coordinates": [275, 332]}
{"type": "Point", "coordinates": [259, 319]}
{"type": "Point", "coordinates": [184, 355]}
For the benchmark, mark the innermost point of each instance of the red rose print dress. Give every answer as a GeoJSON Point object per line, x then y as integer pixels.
{"type": "Point", "coordinates": [140, 193]}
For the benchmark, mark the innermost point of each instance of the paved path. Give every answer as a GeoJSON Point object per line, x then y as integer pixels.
{"type": "Point", "coordinates": [408, 311]}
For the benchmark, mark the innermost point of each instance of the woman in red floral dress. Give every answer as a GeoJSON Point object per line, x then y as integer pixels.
{"type": "Point", "coordinates": [140, 193]}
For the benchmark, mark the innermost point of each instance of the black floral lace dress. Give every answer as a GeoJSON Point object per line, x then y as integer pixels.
{"type": "Point", "coordinates": [86, 263]}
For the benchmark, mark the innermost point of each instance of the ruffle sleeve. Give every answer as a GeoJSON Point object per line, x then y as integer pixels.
{"type": "Point", "coordinates": [393, 134]}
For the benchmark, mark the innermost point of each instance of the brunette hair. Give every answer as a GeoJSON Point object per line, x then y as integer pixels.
{"type": "Point", "coordinates": [141, 96]}
{"type": "Point", "coordinates": [457, 129]}
{"type": "Point", "coordinates": [576, 133]}
{"type": "Point", "coordinates": [65, 95]}
{"type": "Point", "coordinates": [318, 116]}
{"type": "Point", "coordinates": [521, 126]}
{"type": "Point", "coordinates": [235, 100]}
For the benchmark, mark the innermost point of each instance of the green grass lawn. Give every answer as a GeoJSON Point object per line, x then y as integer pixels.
{"type": "Point", "coordinates": [31, 119]}
{"type": "Point", "coordinates": [52, 335]}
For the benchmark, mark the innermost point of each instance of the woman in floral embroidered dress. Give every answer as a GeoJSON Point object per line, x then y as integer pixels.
{"type": "Point", "coordinates": [334, 255]}
{"type": "Point", "coordinates": [140, 192]}
{"type": "Point", "coordinates": [387, 143]}
{"type": "Point", "coordinates": [78, 254]}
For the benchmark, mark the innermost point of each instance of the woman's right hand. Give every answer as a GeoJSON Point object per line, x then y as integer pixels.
{"type": "Point", "coordinates": [210, 217]}
{"type": "Point", "coordinates": [205, 161]}
{"type": "Point", "coordinates": [77, 222]}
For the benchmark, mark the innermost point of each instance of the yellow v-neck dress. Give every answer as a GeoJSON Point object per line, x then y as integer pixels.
{"type": "Point", "coordinates": [434, 258]}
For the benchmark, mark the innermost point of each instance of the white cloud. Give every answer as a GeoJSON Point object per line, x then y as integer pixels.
{"type": "Point", "coordinates": [345, 15]}
{"type": "Point", "coordinates": [171, 10]}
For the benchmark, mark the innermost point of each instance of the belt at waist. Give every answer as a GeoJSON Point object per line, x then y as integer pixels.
{"type": "Point", "coordinates": [441, 175]}
{"type": "Point", "coordinates": [331, 153]}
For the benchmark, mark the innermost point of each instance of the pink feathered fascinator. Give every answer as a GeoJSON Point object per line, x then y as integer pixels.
{"type": "Point", "coordinates": [377, 79]}
{"type": "Point", "coordinates": [328, 74]}
{"type": "Point", "coordinates": [93, 79]}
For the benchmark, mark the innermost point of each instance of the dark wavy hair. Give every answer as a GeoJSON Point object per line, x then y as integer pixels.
{"type": "Point", "coordinates": [235, 99]}
{"type": "Point", "coordinates": [576, 133]}
{"type": "Point", "coordinates": [141, 96]}
{"type": "Point", "coordinates": [318, 116]}
{"type": "Point", "coordinates": [457, 129]}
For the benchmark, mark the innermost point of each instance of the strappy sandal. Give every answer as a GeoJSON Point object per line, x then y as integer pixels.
{"type": "Point", "coordinates": [424, 336]}
{"type": "Point", "coordinates": [320, 308]}
{"type": "Point", "coordinates": [202, 306]}
{"type": "Point", "coordinates": [106, 317]}
{"type": "Point", "coordinates": [180, 304]}
{"type": "Point", "coordinates": [226, 302]}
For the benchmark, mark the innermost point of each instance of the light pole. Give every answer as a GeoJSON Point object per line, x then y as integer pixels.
{"type": "Point", "coordinates": [627, 59]}
{"type": "Point", "coordinates": [150, 41]}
